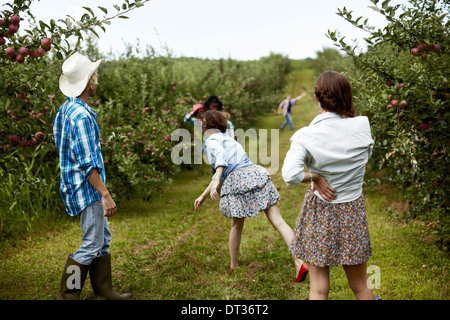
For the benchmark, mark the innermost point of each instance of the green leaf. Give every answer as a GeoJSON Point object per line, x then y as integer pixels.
{"type": "Point", "coordinates": [123, 17]}
{"type": "Point", "coordinates": [104, 10]}
{"type": "Point", "coordinates": [43, 25]}
{"type": "Point", "coordinates": [90, 11]}
{"type": "Point", "coordinates": [68, 23]}
{"type": "Point", "coordinates": [374, 8]}
{"type": "Point", "coordinates": [385, 4]}
{"type": "Point", "coordinates": [94, 32]}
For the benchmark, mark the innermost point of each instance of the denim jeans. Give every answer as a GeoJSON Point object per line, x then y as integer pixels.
{"type": "Point", "coordinates": [96, 234]}
{"type": "Point", "coordinates": [288, 121]}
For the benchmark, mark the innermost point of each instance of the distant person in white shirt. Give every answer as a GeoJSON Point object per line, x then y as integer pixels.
{"type": "Point", "coordinates": [287, 105]}
{"type": "Point", "coordinates": [332, 227]}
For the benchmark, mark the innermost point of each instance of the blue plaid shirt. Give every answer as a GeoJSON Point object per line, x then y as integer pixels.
{"type": "Point", "coordinates": [77, 139]}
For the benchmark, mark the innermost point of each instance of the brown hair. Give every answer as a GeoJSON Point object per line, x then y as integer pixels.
{"type": "Point", "coordinates": [213, 119]}
{"type": "Point", "coordinates": [334, 93]}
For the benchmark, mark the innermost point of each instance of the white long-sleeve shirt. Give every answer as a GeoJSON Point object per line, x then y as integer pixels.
{"type": "Point", "coordinates": [335, 147]}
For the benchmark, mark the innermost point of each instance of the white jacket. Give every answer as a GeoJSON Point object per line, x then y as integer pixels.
{"type": "Point", "coordinates": [335, 147]}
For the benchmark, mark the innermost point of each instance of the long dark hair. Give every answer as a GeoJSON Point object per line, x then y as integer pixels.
{"type": "Point", "coordinates": [335, 93]}
{"type": "Point", "coordinates": [213, 99]}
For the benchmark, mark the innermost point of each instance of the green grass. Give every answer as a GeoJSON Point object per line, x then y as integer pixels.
{"type": "Point", "coordinates": [163, 249]}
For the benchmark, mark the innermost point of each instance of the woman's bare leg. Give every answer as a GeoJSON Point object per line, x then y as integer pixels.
{"type": "Point", "coordinates": [237, 225]}
{"type": "Point", "coordinates": [275, 218]}
{"type": "Point", "coordinates": [357, 280]}
{"type": "Point", "coordinates": [319, 280]}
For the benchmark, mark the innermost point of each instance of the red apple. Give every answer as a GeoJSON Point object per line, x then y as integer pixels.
{"type": "Point", "coordinates": [24, 51]}
{"type": "Point", "coordinates": [46, 44]}
{"type": "Point", "coordinates": [414, 51]}
{"type": "Point", "coordinates": [15, 19]}
{"type": "Point", "coordinates": [422, 46]}
{"type": "Point", "coordinates": [20, 59]}
{"type": "Point", "coordinates": [403, 104]}
{"type": "Point", "coordinates": [40, 52]}
{"type": "Point", "coordinates": [13, 28]}
{"type": "Point", "coordinates": [400, 86]}
{"type": "Point", "coordinates": [33, 141]}
{"type": "Point", "coordinates": [2, 22]}
{"type": "Point", "coordinates": [39, 135]}
{"type": "Point", "coordinates": [13, 140]}
{"type": "Point", "coordinates": [33, 54]}
{"type": "Point", "coordinates": [394, 103]}
{"type": "Point", "coordinates": [423, 126]}
{"type": "Point", "coordinates": [10, 51]}
{"type": "Point", "coordinates": [2, 41]}
{"type": "Point", "coordinates": [436, 47]}
{"type": "Point", "coordinates": [24, 143]}
{"type": "Point", "coordinates": [424, 56]}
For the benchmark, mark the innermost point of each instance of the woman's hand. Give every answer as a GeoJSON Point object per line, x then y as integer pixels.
{"type": "Point", "coordinates": [198, 203]}
{"type": "Point", "coordinates": [214, 190]}
{"type": "Point", "coordinates": [323, 187]}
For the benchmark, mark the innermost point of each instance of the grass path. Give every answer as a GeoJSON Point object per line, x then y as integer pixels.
{"type": "Point", "coordinates": [164, 250]}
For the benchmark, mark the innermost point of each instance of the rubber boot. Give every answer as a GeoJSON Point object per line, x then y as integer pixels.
{"type": "Point", "coordinates": [73, 278]}
{"type": "Point", "coordinates": [101, 279]}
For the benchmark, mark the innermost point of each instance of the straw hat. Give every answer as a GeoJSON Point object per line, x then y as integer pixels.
{"type": "Point", "coordinates": [76, 72]}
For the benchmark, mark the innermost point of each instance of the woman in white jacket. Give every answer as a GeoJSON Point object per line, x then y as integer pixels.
{"type": "Point", "coordinates": [332, 226]}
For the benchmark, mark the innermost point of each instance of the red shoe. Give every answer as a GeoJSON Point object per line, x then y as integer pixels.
{"type": "Point", "coordinates": [303, 272]}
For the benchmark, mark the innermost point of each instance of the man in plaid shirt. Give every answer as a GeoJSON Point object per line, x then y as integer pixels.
{"type": "Point", "coordinates": [82, 187]}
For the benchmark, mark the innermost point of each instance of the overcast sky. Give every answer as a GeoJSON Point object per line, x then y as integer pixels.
{"type": "Point", "coordinates": [237, 29]}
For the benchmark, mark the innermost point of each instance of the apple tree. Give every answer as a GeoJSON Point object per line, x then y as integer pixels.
{"type": "Point", "coordinates": [401, 82]}
{"type": "Point", "coordinates": [30, 63]}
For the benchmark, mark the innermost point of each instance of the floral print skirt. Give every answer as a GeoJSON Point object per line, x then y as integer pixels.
{"type": "Point", "coordinates": [332, 234]}
{"type": "Point", "coordinates": [246, 192]}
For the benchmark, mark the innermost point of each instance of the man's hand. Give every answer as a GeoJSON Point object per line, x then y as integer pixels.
{"type": "Point", "coordinates": [109, 206]}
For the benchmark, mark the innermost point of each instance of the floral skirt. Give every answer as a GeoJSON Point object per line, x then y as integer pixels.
{"type": "Point", "coordinates": [332, 234]}
{"type": "Point", "coordinates": [246, 192]}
